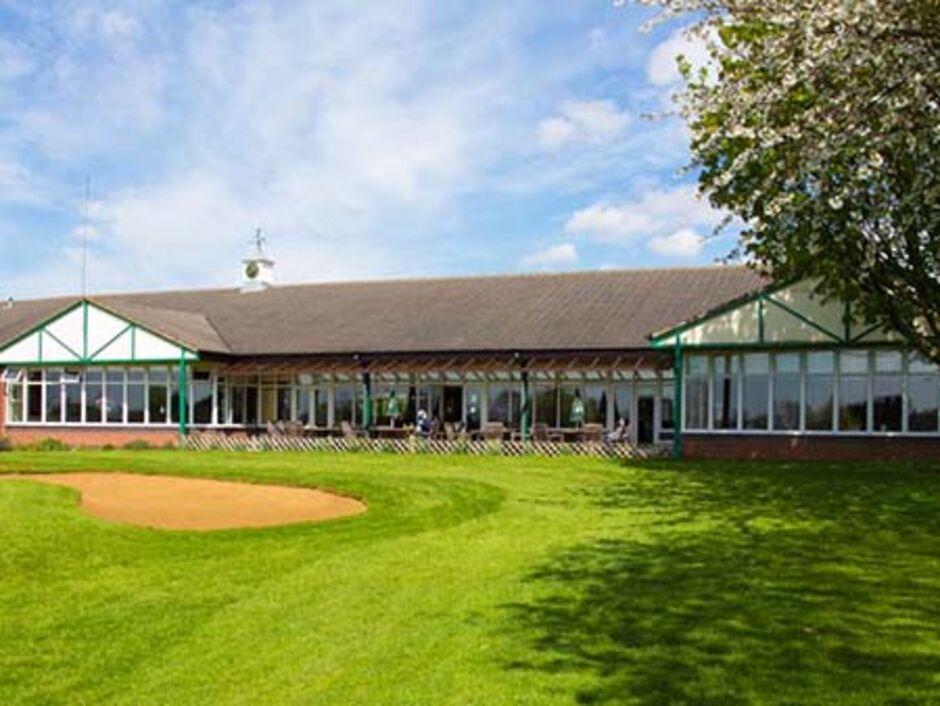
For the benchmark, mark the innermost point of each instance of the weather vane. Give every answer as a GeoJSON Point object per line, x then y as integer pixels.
{"type": "Point", "coordinates": [259, 240]}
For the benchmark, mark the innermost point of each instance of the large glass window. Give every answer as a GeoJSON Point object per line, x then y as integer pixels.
{"type": "Point", "coordinates": [474, 395]}
{"type": "Point", "coordinates": [725, 392]}
{"type": "Point", "coordinates": [820, 390]}
{"type": "Point", "coordinates": [853, 391]}
{"type": "Point", "coordinates": [756, 390]}
{"type": "Point", "coordinates": [667, 421]}
{"type": "Point", "coordinates": [887, 391]}
{"type": "Point", "coordinates": [787, 391]}
{"type": "Point", "coordinates": [136, 396]}
{"type": "Point", "coordinates": [321, 406]}
{"type": "Point", "coordinates": [923, 395]}
{"type": "Point", "coordinates": [696, 392]}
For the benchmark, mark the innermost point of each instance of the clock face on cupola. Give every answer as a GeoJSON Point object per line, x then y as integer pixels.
{"type": "Point", "coordinates": [257, 268]}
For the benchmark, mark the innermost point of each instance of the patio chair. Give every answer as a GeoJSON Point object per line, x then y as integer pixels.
{"type": "Point", "coordinates": [542, 432]}
{"type": "Point", "coordinates": [494, 431]}
{"type": "Point", "coordinates": [349, 431]}
{"type": "Point", "coordinates": [273, 429]}
{"type": "Point", "coordinates": [450, 431]}
{"type": "Point", "coordinates": [593, 432]}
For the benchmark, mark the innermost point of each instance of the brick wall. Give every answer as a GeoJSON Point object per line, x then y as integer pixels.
{"type": "Point", "coordinates": [3, 409]}
{"type": "Point", "coordinates": [829, 448]}
{"type": "Point", "coordinates": [95, 437]}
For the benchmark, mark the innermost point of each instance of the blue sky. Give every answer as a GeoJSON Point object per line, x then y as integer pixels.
{"type": "Point", "coordinates": [382, 139]}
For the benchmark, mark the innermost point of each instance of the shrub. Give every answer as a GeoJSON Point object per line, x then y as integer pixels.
{"type": "Point", "coordinates": [108, 447]}
{"type": "Point", "coordinates": [48, 445]}
{"type": "Point", "coordinates": [6, 443]}
{"type": "Point", "coordinates": [138, 445]}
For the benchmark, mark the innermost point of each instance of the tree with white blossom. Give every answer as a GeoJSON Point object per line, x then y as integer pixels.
{"type": "Point", "coordinates": [817, 124]}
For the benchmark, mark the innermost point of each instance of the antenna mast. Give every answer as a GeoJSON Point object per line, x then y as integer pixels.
{"type": "Point", "coordinates": [85, 218]}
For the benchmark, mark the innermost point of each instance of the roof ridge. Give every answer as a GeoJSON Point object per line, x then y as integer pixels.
{"type": "Point", "coordinates": [439, 278]}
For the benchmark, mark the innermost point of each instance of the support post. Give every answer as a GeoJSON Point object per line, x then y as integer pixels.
{"type": "Point", "coordinates": [183, 402]}
{"type": "Point", "coordinates": [526, 407]}
{"type": "Point", "coordinates": [367, 402]}
{"type": "Point", "coordinates": [677, 402]}
{"type": "Point", "coordinates": [3, 406]}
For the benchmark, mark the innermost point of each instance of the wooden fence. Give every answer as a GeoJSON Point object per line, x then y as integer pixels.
{"type": "Point", "coordinates": [415, 445]}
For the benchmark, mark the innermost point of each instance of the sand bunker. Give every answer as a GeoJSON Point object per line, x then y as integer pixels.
{"type": "Point", "coordinates": [166, 502]}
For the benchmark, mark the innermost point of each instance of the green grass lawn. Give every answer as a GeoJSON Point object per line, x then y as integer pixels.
{"type": "Point", "coordinates": [482, 581]}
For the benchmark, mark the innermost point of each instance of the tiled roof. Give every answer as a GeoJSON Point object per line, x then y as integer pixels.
{"type": "Point", "coordinates": [605, 310]}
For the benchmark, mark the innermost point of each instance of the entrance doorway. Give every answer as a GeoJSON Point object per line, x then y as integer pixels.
{"type": "Point", "coordinates": [646, 419]}
{"type": "Point", "coordinates": [453, 404]}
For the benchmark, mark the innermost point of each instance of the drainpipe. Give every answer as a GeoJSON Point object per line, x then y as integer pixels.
{"type": "Point", "coordinates": [677, 402]}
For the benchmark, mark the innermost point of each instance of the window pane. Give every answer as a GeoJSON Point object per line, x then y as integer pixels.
{"type": "Point", "coordinates": [919, 364]}
{"type": "Point", "coordinates": [696, 407]}
{"type": "Point", "coordinates": [302, 403]}
{"type": "Point", "coordinates": [546, 397]}
{"type": "Point", "coordinates": [157, 404]}
{"type": "Point", "coordinates": [887, 402]}
{"type": "Point", "coordinates": [595, 404]}
{"type": "Point", "coordinates": [202, 401]}
{"type": "Point", "coordinates": [756, 399]}
{"type": "Point", "coordinates": [34, 396]}
{"type": "Point", "coordinates": [820, 362]}
{"type": "Point", "coordinates": [500, 404]}
{"type": "Point", "coordinates": [474, 410]}
{"type": "Point", "coordinates": [667, 421]}
{"type": "Point", "coordinates": [115, 397]}
{"type": "Point", "coordinates": [819, 394]}
{"type": "Point", "coordinates": [923, 395]}
{"type": "Point", "coordinates": [344, 396]}
{"type": "Point", "coordinates": [623, 396]}
{"type": "Point", "coordinates": [15, 402]}
{"type": "Point", "coordinates": [725, 391]}
{"type": "Point", "coordinates": [321, 407]}
{"type": "Point", "coordinates": [888, 361]}
{"type": "Point", "coordinates": [787, 363]}
{"type": "Point", "coordinates": [73, 402]}
{"type": "Point", "coordinates": [53, 397]}
{"type": "Point", "coordinates": [135, 403]}
{"type": "Point", "coordinates": [853, 363]}
{"type": "Point", "coordinates": [94, 396]}
{"type": "Point", "coordinates": [756, 390]}
{"type": "Point", "coordinates": [787, 401]}
{"type": "Point", "coordinates": [853, 403]}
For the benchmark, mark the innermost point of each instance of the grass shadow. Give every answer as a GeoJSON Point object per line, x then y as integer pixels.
{"type": "Point", "coordinates": [752, 585]}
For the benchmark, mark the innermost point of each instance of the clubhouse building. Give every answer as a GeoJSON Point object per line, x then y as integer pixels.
{"type": "Point", "coordinates": [702, 362]}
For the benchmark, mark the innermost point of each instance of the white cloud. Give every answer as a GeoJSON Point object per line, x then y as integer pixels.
{"type": "Point", "coordinates": [654, 213]}
{"type": "Point", "coordinates": [662, 68]}
{"type": "Point", "coordinates": [592, 121]}
{"type": "Point", "coordinates": [563, 255]}
{"type": "Point", "coordinates": [684, 243]}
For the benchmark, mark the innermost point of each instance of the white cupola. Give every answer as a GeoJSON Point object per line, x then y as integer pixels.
{"type": "Point", "coordinates": [257, 268]}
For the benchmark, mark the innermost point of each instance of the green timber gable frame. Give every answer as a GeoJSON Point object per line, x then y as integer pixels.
{"type": "Point", "coordinates": [86, 334]}
{"type": "Point", "coordinates": [784, 316]}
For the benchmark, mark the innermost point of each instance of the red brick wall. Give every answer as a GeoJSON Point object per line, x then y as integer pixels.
{"type": "Point", "coordinates": [829, 448]}
{"type": "Point", "coordinates": [116, 437]}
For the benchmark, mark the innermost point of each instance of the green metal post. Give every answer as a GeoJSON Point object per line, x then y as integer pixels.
{"type": "Point", "coordinates": [367, 401]}
{"type": "Point", "coordinates": [183, 403]}
{"type": "Point", "coordinates": [677, 402]}
{"type": "Point", "coordinates": [526, 405]}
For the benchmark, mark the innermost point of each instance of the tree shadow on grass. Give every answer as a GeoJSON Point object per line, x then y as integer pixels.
{"type": "Point", "coordinates": [773, 587]}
